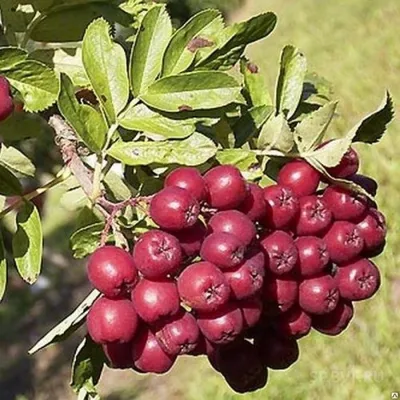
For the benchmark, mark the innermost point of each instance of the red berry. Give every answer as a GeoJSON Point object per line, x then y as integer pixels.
{"type": "Point", "coordinates": [148, 355]}
{"type": "Point", "coordinates": [280, 252]}
{"type": "Point", "coordinates": [282, 207]}
{"type": "Point", "coordinates": [203, 286]}
{"type": "Point", "coordinates": [226, 186]}
{"type": "Point", "coordinates": [299, 176]}
{"type": "Point", "coordinates": [347, 166]}
{"type": "Point", "coordinates": [111, 270]}
{"type": "Point", "coordinates": [345, 205]}
{"type": "Point", "coordinates": [111, 321]}
{"type": "Point", "coordinates": [314, 218]}
{"type": "Point", "coordinates": [358, 280]}
{"type": "Point", "coordinates": [222, 249]}
{"type": "Point", "coordinates": [157, 254]}
{"type": "Point", "coordinates": [190, 179]}
{"type": "Point", "coordinates": [191, 239]}
{"type": "Point", "coordinates": [254, 204]}
{"type": "Point", "coordinates": [235, 223]}
{"type": "Point", "coordinates": [174, 208]}
{"type": "Point", "coordinates": [118, 355]}
{"type": "Point", "coordinates": [251, 309]}
{"type": "Point", "coordinates": [313, 255]}
{"type": "Point", "coordinates": [344, 242]}
{"type": "Point", "coordinates": [295, 323]}
{"type": "Point", "coordinates": [319, 295]}
{"type": "Point", "coordinates": [6, 101]}
{"type": "Point", "coordinates": [155, 300]}
{"type": "Point", "coordinates": [367, 183]}
{"type": "Point", "coordinates": [222, 326]}
{"type": "Point", "coordinates": [373, 230]}
{"type": "Point", "coordinates": [336, 321]}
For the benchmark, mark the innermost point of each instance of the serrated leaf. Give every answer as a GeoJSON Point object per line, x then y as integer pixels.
{"type": "Point", "coordinates": [148, 51]}
{"type": "Point", "coordinates": [27, 243]}
{"type": "Point", "coordinates": [16, 161]}
{"type": "Point", "coordinates": [106, 67]}
{"type": "Point", "coordinates": [192, 91]}
{"type": "Point", "coordinates": [332, 152]}
{"type": "Point", "coordinates": [187, 40]}
{"type": "Point", "coordinates": [87, 122]}
{"type": "Point", "coordinates": [9, 184]}
{"type": "Point", "coordinates": [245, 160]}
{"type": "Point", "coordinates": [69, 325]}
{"type": "Point", "coordinates": [86, 240]}
{"type": "Point", "coordinates": [11, 56]}
{"type": "Point", "coordinates": [3, 268]}
{"type": "Point", "coordinates": [227, 60]}
{"type": "Point", "coordinates": [372, 128]}
{"type": "Point", "coordinates": [311, 130]}
{"type": "Point", "coordinates": [290, 82]}
{"type": "Point", "coordinates": [194, 150]}
{"type": "Point", "coordinates": [276, 134]}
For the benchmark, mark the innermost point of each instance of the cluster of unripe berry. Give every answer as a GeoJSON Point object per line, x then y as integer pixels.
{"type": "Point", "coordinates": [237, 272]}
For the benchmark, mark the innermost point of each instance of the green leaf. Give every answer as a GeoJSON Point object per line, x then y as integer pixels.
{"type": "Point", "coordinates": [311, 130]}
{"type": "Point", "coordinates": [11, 56]}
{"type": "Point", "coordinates": [192, 91]}
{"type": "Point", "coordinates": [331, 153]}
{"type": "Point", "coordinates": [372, 128]}
{"type": "Point", "coordinates": [194, 150]}
{"type": "Point", "coordinates": [187, 40]}
{"type": "Point", "coordinates": [37, 84]}
{"type": "Point", "coordinates": [3, 268]}
{"type": "Point", "coordinates": [250, 123]}
{"type": "Point", "coordinates": [141, 118]}
{"type": "Point", "coordinates": [290, 81]}
{"type": "Point", "coordinates": [149, 48]}
{"type": "Point", "coordinates": [69, 325]}
{"type": "Point", "coordinates": [117, 186]}
{"type": "Point", "coordinates": [245, 160]}
{"type": "Point", "coordinates": [27, 243]}
{"type": "Point", "coordinates": [276, 134]}
{"type": "Point", "coordinates": [86, 240]}
{"type": "Point", "coordinates": [105, 66]}
{"type": "Point", "coordinates": [316, 89]}
{"type": "Point", "coordinates": [16, 162]}
{"type": "Point", "coordinates": [227, 60]}
{"type": "Point", "coordinates": [9, 184]}
{"type": "Point", "coordinates": [87, 122]}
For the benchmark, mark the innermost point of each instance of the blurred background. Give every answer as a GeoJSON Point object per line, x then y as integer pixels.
{"type": "Point", "coordinates": [353, 44]}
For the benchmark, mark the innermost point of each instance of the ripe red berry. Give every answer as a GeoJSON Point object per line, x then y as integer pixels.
{"type": "Point", "coordinates": [373, 230]}
{"type": "Point", "coordinates": [251, 309]}
{"type": "Point", "coordinates": [367, 183]}
{"type": "Point", "coordinates": [203, 287]}
{"type": "Point", "coordinates": [157, 254]}
{"type": "Point", "coordinates": [348, 165]}
{"type": "Point", "coordinates": [319, 295]}
{"type": "Point", "coordinates": [299, 176]}
{"type": "Point", "coordinates": [280, 252]}
{"type": "Point", "coordinates": [314, 218]}
{"type": "Point", "coordinates": [191, 239]}
{"type": "Point", "coordinates": [155, 300]}
{"type": "Point", "coordinates": [6, 101]}
{"type": "Point", "coordinates": [223, 249]}
{"type": "Point", "coordinates": [112, 320]}
{"type": "Point", "coordinates": [345, 205]}
{"type": "Point", "coordinates": [118, 355]}
{"type": "Point", "coordinates": [235, 223]}
{"type": "Point", "coordinates": [282, 207]}
{"type": "Point", "coordinates": [222, 326]}
{"type": "Point", "coordinates": [358, 280]}
{"type": "Point", "coordinates": [335, 322]}
{"type": "Point", "coordinates": [179, 335]}
{"type": "Point", "coordinates": [111, 270]}
{"type": "Point", "coordinates": [344, 242]}
{"type": "Point", "coordinates": [190, 179]}
{"type": "Point", "coordinates": [254, 204]}
{"type": "Point", "coordinates": [226, 186]}
{"type": "Point", "coordinates": [148, 355]}
{"type": "Point", "coordinates": [294, 322]}
{"type": "Point", "coordinates": [174, 208]}
{"type": "Point", "coordinates": [313, 255]}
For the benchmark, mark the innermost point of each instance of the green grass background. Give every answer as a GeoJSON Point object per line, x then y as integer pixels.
{"type": "Point", "coordinates": [355, 45]}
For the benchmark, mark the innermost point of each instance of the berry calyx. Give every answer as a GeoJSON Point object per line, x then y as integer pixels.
{"type": "Point", "coordinates": [313, 256]}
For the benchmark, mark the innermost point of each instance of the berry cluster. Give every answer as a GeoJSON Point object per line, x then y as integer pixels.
{"type": "Point", "coordinates": [238, 272]}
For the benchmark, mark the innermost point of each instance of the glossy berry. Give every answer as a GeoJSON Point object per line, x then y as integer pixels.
{"type": "Point", "coordinates": [373, 230]}
{"type": "Point", "coordinates": [254, 204]}
{"type": "Point", "coordinates": [118, 355]}
{"type": "Point", "coordinates": [345, 205]}
{"type": "Point", "coordinates": [191, 239]}
{"type": "Point", "coordinates": [314, 218]}
{"type": "Point", "coordinates": [148, 355]}
{"type": "Point", "coordinates": [348, 165]}
{"type": "Point", "coordinates": [223, 249]}
{"type": "Point", "coordinates": [344, 242]}
{"type": "Point", "coordinates": [367, 183]}
{"type": "Point", "coordinates": [190, 179]}
{"type": "Point", "coordinates": [111, 270]}
{"type": "Point", "coordinates": [299, 176]}
{"type": "Point", "coordinates": [280, 252]}
{"type": "Point", "coordinates": [335, 322]}
{"type": "Point", "coordinates": [227, 188]}
{"type": "Point", "coordinates": [235, 223]}
{"type": "Point", "coordinates": [313, 256]}
{"type": "Point", "coordinates": [358, 280]}
{"type": "Point", "coordinates": [282, 207]}
{"type": "Point", "coordinates": [6, 101]}
{"type": "Point", "coordinates": [203, 287]}
{"type": "Point", "coordinates": [319, 295]}
{"type": "Point", "coordinates": [294, 322]}
{"type": "Point", "coordinates": [222, 326]}
{"type": "Point", "coordinates": [155, 300]}
{"type": "Point", "coordinates": [251, 309]}
{"type": "Point", "coordinates": [112, 321]}
{"type": "Point", "coordinates": [174, 208]}
{"type": "Point", "coordinates": [157, 254]}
